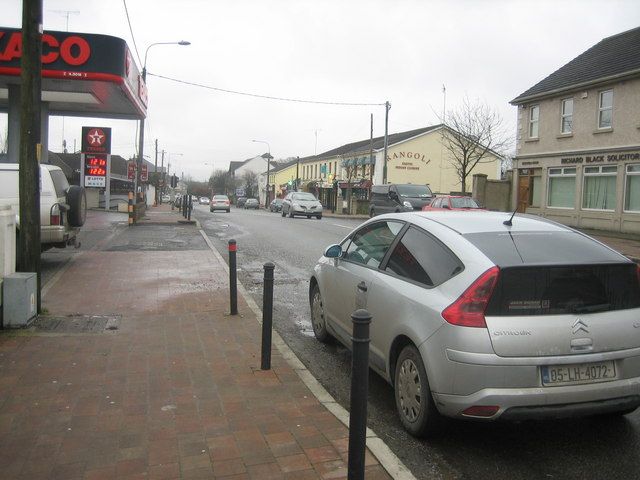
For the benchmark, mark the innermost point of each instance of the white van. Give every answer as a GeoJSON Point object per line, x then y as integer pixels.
{"type": "Point", "coordinates": [63, 207]}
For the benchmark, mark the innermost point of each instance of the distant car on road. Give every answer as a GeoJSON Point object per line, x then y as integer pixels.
{"type": "Point", "coordinates": [397, 197]}
{"type": "Point", "coordinates": [220, 202]}
{"type": "Point", "coordinates": [204, 201]}
{"type": "Point", "coordinates": [486, 316]}
{"type": "Point", "coordinates": [251, 203]}
{"type": "Point", "coordinates": [452, 202]}
{"type": "Point", "coordinates": [276, 205]}
{"type": "Point", "coordinates": [240, 201]}
{"type": "Point", "coordinates": [301, 203]}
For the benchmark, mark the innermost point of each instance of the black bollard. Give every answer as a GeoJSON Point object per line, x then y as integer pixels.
{"type": "Point", "coordinates": [233, 278]}
{"type": "Point", "coordinates": [359, 391]}
{"type": "Point", "coordinates": [267, 315]}
{"type": "Point", "coordinates": [190, 207]}
{"type": "Point", "coordinates": [184, 206]}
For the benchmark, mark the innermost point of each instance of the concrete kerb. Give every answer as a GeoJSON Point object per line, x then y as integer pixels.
{"type": "Point", "coordinates": [389, 461]}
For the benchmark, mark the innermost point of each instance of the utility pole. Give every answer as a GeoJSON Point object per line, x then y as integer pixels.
{"type": "Point", "coordinates": [297, 170]}
{"type": "Point", "coordinates": [163, 177]}
{"type": "Point", "coordinates": [29, 176]}
{"type": "Point", "coordinates": [371, 163]}
{"type": "Point", "coordinates": [387, 107]}
{"type": "Point", "coordinates": [155, 171]}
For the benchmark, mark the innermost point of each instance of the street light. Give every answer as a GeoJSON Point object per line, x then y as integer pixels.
{"type": "Point", "coordinates": [141, 134]}
{"type": "Point", "coordinates": [268, 197]}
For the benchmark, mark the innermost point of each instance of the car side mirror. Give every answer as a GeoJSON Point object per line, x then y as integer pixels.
{"type": "Point", "coordinates": [333, 251]}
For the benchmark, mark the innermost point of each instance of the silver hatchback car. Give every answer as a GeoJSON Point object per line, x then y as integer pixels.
{"type": "Point", "coordinates": [479, 317]}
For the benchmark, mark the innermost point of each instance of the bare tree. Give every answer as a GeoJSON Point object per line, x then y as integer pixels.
{"type": "Point", "coordinates": [250, 181]}
{"type": "Point", "coordinates": [475, 134]}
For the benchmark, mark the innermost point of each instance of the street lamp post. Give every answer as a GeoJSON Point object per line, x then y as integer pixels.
{"type": "Point", "coordinates": [141, 133]}
{"type": "Point", "coordinates": [269, 157]}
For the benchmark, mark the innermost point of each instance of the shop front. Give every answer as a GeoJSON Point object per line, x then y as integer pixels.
{"type": "Point", "coordinates": [593, 190]}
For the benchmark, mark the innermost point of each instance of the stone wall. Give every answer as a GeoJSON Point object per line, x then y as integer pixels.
{"type": "Point", "coordinates": [493, 194]}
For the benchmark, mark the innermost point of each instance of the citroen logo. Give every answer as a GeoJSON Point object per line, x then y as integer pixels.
{"type": "Point", "coordinates": [579, 325]}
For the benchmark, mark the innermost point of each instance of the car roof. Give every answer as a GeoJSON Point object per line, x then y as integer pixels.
{"type": "Point", "coordinates": [486, 221]}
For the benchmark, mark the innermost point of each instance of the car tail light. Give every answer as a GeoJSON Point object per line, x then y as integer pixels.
{"type": "Point", "coordinates": [481, 411]}
{"type": "Point", "coordinates": [468, 309]}
{"type": "Point", "coordinates": [54, 215]}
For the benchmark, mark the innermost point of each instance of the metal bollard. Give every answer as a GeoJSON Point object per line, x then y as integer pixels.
{"type": "Point", "coordinates": [233, 278]}
{"type": "Point", "coordinates": [190, 208]}
{"type": "Point", "coordinates": [130, 208]}
{"type": "Point", "coordinates": [359, 391]}
{"type": "Point", "coordinates": [184, 206]}
{"type": "Point", "coordinates": [267, 315]}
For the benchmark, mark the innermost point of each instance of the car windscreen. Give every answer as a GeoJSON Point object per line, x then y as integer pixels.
{"type": "Point", "coordinates": [304, 197]}
{"type": "Point", "coordinates": [59, 182]}
{"type": "Point", "coordinates": [463, 202]}
{"type": "Point", "coordinates": [507, 248]}
{"type": "Point", "coordinates": [220, 197]}
{"type": "Point", "coordinates": [420, 191]}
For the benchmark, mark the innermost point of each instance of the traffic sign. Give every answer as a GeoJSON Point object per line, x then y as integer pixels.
{"type": "Point", "coordinates": [131, 169]}
{"type": "Point", "coordinates": [144, 173]}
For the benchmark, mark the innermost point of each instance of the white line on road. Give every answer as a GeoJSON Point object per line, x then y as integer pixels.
{"type": "Point", "coordinates": [342, 226]}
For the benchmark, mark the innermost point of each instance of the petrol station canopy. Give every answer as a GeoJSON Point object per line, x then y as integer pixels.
{"type": "Point", "coordinates": [83, 74]}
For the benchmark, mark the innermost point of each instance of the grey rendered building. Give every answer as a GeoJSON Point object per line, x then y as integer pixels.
{"type": "Point", "coordinates": [578, 140]}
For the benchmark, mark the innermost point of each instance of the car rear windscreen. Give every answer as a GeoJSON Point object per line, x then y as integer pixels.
{"type": "Point", "coordinates": [556, 290]}
{"type": "Point", "coordinates": [563, 247]}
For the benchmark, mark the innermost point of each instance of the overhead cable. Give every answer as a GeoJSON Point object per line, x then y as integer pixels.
{"type": "Point", "coordinates": [267, 97]}
{"type": "Point", "coordinates": [133, 39]}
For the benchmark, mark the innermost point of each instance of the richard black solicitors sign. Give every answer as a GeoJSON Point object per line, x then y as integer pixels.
{"type": "Point", "coordinates": [601, 158]}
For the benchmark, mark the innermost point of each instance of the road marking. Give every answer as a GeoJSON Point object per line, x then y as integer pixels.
{"type": "Point", "coordinates": [341, 226]}
{"type": "Point", "coordinates": [389, 461]}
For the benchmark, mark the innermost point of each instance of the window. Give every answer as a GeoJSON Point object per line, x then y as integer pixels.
{"type": "Point", "coordinates": [421, 258]}
{"type": "Point", "coordinates": [535, 192]}
{"type": "Point", "coordinates": [59, 182]}
{"type": "Point", "coordinates": [600, 187]}
{"type": "Point", "coordinates": [534, 117]}
{"type": "Point", "coordinates": [605, 109]}
{"type": "Point", "coordinates": [632, 188]}
{"type": "Point", "coordinates": [562, 187]}
{"type": "Point", "coordinates": [566, 125]}
{"type": "Point", "coordinates": [370, 244]}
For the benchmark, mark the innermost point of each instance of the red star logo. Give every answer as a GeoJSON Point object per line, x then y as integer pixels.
{"type": "Point", "coordinates": [96, 137]}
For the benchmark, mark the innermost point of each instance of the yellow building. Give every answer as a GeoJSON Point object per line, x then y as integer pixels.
{"type": "Point", "coordinates": [283, 178]}
{"type": "Point", "coordinates": [415, 156]}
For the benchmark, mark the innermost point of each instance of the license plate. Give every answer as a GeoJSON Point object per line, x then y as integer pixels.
{"type": "Point", "coordinates": [578, 374]}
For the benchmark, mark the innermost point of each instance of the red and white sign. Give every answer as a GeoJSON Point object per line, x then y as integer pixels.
{"type": "Point", "coordinates": [131, 170]}
{"type": "Point", "coordinates": [144, 173]}
{"type": "Point", "coordinates": [96, 140]}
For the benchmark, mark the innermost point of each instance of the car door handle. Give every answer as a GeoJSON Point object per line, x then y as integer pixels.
{"type": "Point", "coordinates": [362, 287]}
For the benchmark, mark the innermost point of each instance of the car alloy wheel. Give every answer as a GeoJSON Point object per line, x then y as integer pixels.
{"type": "Point", "coordinates": [318, 321]}
{"type": "Point", "coordinates": [415, 406]}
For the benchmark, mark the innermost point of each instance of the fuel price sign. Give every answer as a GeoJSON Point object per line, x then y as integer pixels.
{"type": "Point", "coordinates": [95, 170]}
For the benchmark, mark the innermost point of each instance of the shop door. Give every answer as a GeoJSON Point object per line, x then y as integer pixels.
{"type": "Point", "coordinates": [523, 193]}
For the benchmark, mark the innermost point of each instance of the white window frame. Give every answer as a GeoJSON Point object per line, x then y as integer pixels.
{"type": "Point", "coordinates": [602, 109]}
{"type": "Point", "coordinates": [597, 171]}
{"type": "Point", "coordinates": [628, 173]}
{"type": "Point", "coordinates": [533, 108]}
{"type": "Point", "coordinates": [564, 172]}
{"type": "Point", "coordinates": [564, 115]}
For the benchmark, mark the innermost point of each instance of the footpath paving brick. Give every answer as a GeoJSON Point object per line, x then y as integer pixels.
{"type": "Point", "coordinates": [175, 392]}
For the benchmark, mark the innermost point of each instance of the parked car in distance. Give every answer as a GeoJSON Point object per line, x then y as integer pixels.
{"type": "Point", "coordinates": [220, 202]}
{"type": "Point", "coordinates": [275, 205]}
{"type": "Point", "coordinates": [452, 202]}
{"type": "Point", "coordinates": [301, 203]}
{"type": "Point", "coordinates": [393, 197]}
{"type": "Point", "coordinates": [240, 201]}
{"type": "Point", "coordinates": [63, 207]}
{"type": "Point", "coordinates": [251, 203]}
{"type": "Point", "coordinates": [486, 316]}
{"type": "Point", "coordinates": [204, 201]}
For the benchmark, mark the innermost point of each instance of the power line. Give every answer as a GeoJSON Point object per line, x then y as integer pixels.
{"type": "Point", "coordinates": [133, 39]}
{"type": "Point", "coordinates": [267, 97]}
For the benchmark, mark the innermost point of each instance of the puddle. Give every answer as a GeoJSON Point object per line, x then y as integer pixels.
{"type": "Point", "coordinates": [305, 328]}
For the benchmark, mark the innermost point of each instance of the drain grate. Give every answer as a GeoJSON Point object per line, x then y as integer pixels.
{"type": "Point", "coordinates": [77, 323]}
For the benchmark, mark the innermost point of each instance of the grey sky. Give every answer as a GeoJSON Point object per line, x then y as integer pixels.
{"type": "Point", "coordinates": [345, 51]}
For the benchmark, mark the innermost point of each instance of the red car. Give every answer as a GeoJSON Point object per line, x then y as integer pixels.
{"type": "Point", "coordinates": [452, 202]}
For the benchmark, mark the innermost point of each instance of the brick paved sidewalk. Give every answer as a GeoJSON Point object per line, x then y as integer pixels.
{"type": "Point", "coordinates": [175, 392]}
